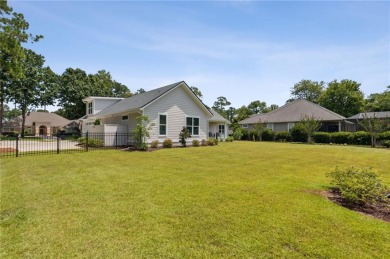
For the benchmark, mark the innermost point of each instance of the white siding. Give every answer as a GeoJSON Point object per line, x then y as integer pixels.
{"type": "Point", "coordinates": [177, 105]}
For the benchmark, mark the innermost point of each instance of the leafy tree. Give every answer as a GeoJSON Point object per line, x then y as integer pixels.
{"type": "Point", "coordinates": [242, 113]}
{"type": "Point", "coordinates": [197, 92]}
{"type": "Point", "coordinates": [183, 135]}
{"type": "Point", "coordinates": [37, 88]}
{"type": "Point", "coordinates": [220, 105]}
{"type": "Point", "coordinates": [230, 113]}
{"type": "Point", "coordinates": [260, 127]}
{"type": "Point", "coordinates": [309, 124]}
{"type": "Point", "coordinates": [271, 108]}
{"type": "Point", "coordinates": [374, 126]}
{"type": "Point", "coordinates": [379, 101]}
{"type": "Point", "coordinates": [13, 32]}
{"type": "Point", "coordinates": [120, 90]}
{"type": "Point", "coordinates": [140, 91]}
{"type": "Point", "coordinates": [257, 107]}
{"type": "Point", "coordinates": [344, 97]}
{"type": "Point", "coordinates": [308, 90]}
{"type": "Point", "coordinates": [141, 132]}
{"type": "Point", "coordinates": [11, 113]}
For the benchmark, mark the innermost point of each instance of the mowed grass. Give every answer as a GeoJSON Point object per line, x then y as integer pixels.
{"type": "Point", "coordinates": [241, 199]}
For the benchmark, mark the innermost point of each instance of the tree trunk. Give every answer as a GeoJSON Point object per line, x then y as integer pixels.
{"type": "Point", "coordinates": [373, 141]}
{"type": "Point", "coordinates": [1, 108]}
{"type": "Point", "coordinates": [24, 113]}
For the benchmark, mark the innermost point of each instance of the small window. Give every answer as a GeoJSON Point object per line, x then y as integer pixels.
{"type": "Point", "coordinates": [162, 130]}
{"type": "Point", "coordinates": [89, 108]}
{"type": "Point", "coordinates": [270, 126]}
{"type": "Point", "coordinates": [290, 126]}
{"type": "Point", "coordinates": [221, 130]}
{"type": "Point", "coordinates": [244, 126]}
{"type": "Point", "coordinates": [193, 125]}
{"type": "Point", "coordinates": [125, 117]}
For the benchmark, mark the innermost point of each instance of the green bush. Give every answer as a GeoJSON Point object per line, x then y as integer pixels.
{"type": "Point", "coordinates": [321, 137]}
{"type": "Point", "coordinates": [358, 186]}
{"type": "Point", "coordinates": [282, 136]}
{"type": "Point", "coordinates": [245, 134]}
{"type": "Point", "coordinates": [298, 133]}
{"type": "Point", "coordinates": [91, 142]}
{"type": "Point", "coordinates": [229, 139]}
{"type": "Point", "coordinates": [154, 144]}
{"type": "Point", "coordinates": [384, 136]}
{"type": "Point", "coordinates": [253, 135]}
{"type": "Point", "coordinates": [386, 143]}
{"type": "Point", "coordinates": [360, 138]}
{"type": "Point", "coordinates": [168, 143]}
{"type": "Point", "coordinates": [211, 141]}
{"type": "Point", "coordinates": [195, 143]}
{"type": "Point", "coordinates": [340, 137]}
{"type": "Point", "coordinates": [268, 135]}
{"type": "Point", "coordinates": [204, 142]}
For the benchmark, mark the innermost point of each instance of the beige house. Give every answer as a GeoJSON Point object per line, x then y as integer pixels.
{"type": "Point", "coordinates": [38, 124]}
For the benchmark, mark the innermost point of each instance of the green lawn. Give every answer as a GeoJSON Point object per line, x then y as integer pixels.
{"type": "Point", "coordinates": [241, 199]}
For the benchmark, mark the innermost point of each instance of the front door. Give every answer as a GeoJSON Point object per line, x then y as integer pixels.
{"type": "Point", "coordinates": [221, 131]}
{"type": "Point", "coordinates": [42, 130]}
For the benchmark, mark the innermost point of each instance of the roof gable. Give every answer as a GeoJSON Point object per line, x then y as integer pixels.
{"type": "Point", "coordinates": [293, 112]}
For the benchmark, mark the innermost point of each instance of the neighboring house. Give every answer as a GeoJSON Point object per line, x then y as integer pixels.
{"type": "Point", "coordinates": [39, 124]}
{"type": "Point", "coordinates": [169, 109]}
{"type": "Point", "coordinates": [360, 116]}
{"type": "Point", "coordinates": [285, 117]}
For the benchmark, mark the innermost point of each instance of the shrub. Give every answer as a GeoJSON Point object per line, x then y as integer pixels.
{"type": "Point", "coordinates": [204, 142]}
{"type": "Point", "coordinates": [386, 143]}
{"type": "Point", "coordinates": [360, 138]}
{"type": "Point", "coordinates": [298, 133]}
{"type": "Point", "coordinates": [91, 142]}
{"type": "Point", "coordinates": [211, 142]}
{"type": "Point", "coordinates": [253, 135]}
{"type": "Point", "coordinates": [245, 134]}
{"type": "Point", "coordinates": [168, 143]}
{"type": "Point", "coordinates": [183, 135]}
{"type": "Point", "coordinates": [340, 137]}
{"type": "Point", "coordinates": [229, 139]}
{"type": "Point", "coordinates": [195, 143]}
{"type": "Point", "coordinates": [154, 144]}
{"type": "Point", "coordinates": [384, 136]}
{"type": "Point", "coordinates": [358, 186]}
{"type": "Point", "coordinates": [321, 137]}
{"type": "Point", "coordinates": [282, 135]}
{"type": "Point", "coordinates": [268, 135]}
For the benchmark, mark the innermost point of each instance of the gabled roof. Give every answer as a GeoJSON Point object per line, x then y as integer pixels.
{"type": "Point", "coordinates": [383, 114]}
{"type": "Point", "coordinates": [217, 117]}
{"type": "Point", "coordinates": [293, 112]}
{"type": "Point", "coordinates": [54, 119]}
{"type": "Point", "coordinates": [141, 100]}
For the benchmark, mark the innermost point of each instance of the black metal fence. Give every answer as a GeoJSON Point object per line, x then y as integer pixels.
{"type": "Point", "coordinates": [59, 144]}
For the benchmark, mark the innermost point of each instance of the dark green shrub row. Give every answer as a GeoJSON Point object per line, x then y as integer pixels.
{"type": "Point", "coordinates": [91, 142]}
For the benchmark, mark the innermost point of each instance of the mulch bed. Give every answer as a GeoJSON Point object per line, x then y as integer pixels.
{"type": "Point", "coordinates": [380, 211]}
{"type": "Point", "coordinates": [7, 149]}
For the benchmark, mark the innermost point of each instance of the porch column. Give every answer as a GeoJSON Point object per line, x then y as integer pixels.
{"type": "Point", "coordinates": [339, 126]}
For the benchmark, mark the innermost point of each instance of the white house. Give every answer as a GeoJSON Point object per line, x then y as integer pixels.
{"type": "Point", "coordinates": [169, 109]}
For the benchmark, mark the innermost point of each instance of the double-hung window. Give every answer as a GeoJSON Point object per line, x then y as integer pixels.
{"type": "Point", "coordinates": [221, 130]}
{"type": "Point", "coordinates": [162, 128]}
{"type": "Point", "coordinates": [193, 125]}
{"type": "Point", "coordinates": [89, 108]}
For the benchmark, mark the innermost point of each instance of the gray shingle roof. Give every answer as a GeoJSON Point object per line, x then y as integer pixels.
{"type": "Point", "coordinates": [362, 115]}
{"type": "Point", "coordinates": [292, 112]}
{"type": "Point", "coordinates": [137, 101]}
{"type": "Point", "coordinates": [217, 117]}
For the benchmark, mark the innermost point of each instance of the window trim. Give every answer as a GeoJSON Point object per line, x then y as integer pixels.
{"type": "Point", "coordinates": [166, 124]}
{"type": "Point", "coordinates": [192, 126]}
{"type": "Point", "coordinates": [244, 126]}
{"type": "Point", "coordinates": [219, 129]}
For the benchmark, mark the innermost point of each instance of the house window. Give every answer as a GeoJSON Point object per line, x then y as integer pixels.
{"type": "Point", "coordinates": [162, 129]}
{"type": "Point", "coordinates": [193, 125]}
{"type": "Point", "coordinates": [270, 126]}
{"type": "Point", "coordinates": [290, 126]}
{"type": "Point", "coordinates": [89, 108]}
{"type": "Point", "coordinates": [125, 118]}
{"type": "Point", "coordinates": [245, 126]}
{"type": "Point", "coordinates": [221, 130]}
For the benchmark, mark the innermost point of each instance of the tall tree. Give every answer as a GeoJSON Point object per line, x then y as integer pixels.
{"type": "Point", "coordinates": [379, 101]}
{"type": "Point", "coordinates": [37, 88]}
{"type": "Point", "coordinates": [344, 97]}
{"type": "Point", "coordinates": [230, 113]}
{"type": "Point", "coordinates": [257, 107]}
{"type": "Point", "coordinates": [308, 90]}
{"type": "Point", "coordinates": [197, 92]}
{"type": "Point", "coordinates": [13, 32]}
{"type": "Point", "coordinates": [220, 105]}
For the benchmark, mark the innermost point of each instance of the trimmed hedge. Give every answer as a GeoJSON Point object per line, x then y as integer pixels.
{"type": "Point", "coordinates": [282, 136]}
{"type": "Point", "coordinates": [384, 136]}
{"type": "Point", "coordinates": [340, 137]}
{"type": "Point", "coordinates": [268, 135]}
{"type": "Point", "coordinates": [298, 134]}
{"type": "Point", "coordinates": [360, 138]}
{"type": "Point", "coordinates": [322, 137]}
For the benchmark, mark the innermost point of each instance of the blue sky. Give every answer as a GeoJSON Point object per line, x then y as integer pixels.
{"type": "Point", "coordinates": [242, 50]}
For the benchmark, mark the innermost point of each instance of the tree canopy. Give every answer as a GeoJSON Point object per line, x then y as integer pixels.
{"type": "Point", "coordinates": [379, 101]}
{"type": "Point", "coordinates": [307, 89]}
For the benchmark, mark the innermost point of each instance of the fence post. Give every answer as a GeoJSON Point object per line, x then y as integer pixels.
{"type": "Point", "coordinates": [116, 140]}
{"type": "Point", "coordinates": [17, 146]}
{"type": "Point", "coordinates": [58, 143]}
{"type": "Point", "coordinates": [86, 142]}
